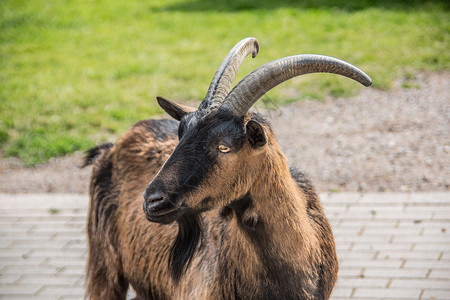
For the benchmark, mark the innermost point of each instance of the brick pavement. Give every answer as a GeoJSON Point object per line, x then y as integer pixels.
{"type": "Point", "coordinates": [390, 245]}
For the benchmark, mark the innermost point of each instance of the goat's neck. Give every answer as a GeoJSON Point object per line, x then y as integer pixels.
{"type": "Point", "coordinates": [277, 210]}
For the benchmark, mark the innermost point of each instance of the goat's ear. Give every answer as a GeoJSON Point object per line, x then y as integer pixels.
{"type": "Point", "coordinates": [175, 110]}
{"type": "Point", "coordinates": [255, 134]}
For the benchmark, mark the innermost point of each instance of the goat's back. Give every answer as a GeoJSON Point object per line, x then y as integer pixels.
{"type": "Point", "coordinates": [120, 173]}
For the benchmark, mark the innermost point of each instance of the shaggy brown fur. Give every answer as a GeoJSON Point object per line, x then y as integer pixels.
{"type": "Point", "coordinates": [266, 237]}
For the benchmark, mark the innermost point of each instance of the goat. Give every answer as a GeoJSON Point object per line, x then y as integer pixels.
{"type": "Point", "coordinates": [222, 215]}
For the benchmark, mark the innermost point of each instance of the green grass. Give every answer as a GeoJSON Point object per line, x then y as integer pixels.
{"type": "Point", "coordinates": [75, 73]}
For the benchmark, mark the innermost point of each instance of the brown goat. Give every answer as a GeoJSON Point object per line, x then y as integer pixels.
{"type": "Point", "coordinates": [223, 216]}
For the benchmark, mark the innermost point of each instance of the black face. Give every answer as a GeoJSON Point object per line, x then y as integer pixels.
{"type": "Point", "coordinates": [192, 161]}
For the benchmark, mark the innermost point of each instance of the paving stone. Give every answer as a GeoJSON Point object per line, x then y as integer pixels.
{"type": "Point", "coordinates": [15, 227]}
{"type": "Point", "coordinates": [342, 198]}
{"type": "Point", "coordinates": [10, 252]}
{"type": "Point", "coordinates": [60, 291]}
{"type": "Point", "coordinates": [5, 244]}
{"type": "Point", "coordinates": [364, 254]}
{"type": "Point", "coordinates": [395, 273]}
{"type": "Point", "coordinates": [73, 298]}
{"type": "Point", "coordinates": [31, 244]}
{"type": "Point", "coordinates": [363, 282]}
{"type": "Point", "coordinates": [350, 272]}
{"type": "Point", "coordinates": [9, 279]}
{"type": "Point", "coordinates": [428, 264]}
{"type": "Point", "coordinates": [436, 294]}
{"type": "Point", "coordinates": [362, 239]}
{"type": "Point", "coordinates": [368, 223]}
{"type": "Point", "coordinates": [72, 237]}
{"type": "Point", "coordinates": [383, 246]}
{"type": "Point", "coordinates": [443, 230]}
{"type": "Point", "coordinates": [335, 208]}
{"type": "Point", "coordinates": [65, 261]}
{"type": "Point", "coordinates": [389, 198]}
{"type": "Point", "coordinates": [422, 239]}
{"type": "Point", "coordinates": [388, 293]}
{"type": "Point", "coordinates": [439, 274]}
{"type": "Point", "coordinates": [440, 215]}
{"type": "Point", "coordinates": [21, 261]}
{"type": "Point", "coordinates": [27, 235]}
{"type": "Point", "coordinates": [342, 292]}
{"type": "Point", "coordinates": [28, 297]}
{"type": "Point", "coordinates": [446, 254]}
{"type": "Point", "coordinates": [376, 231]}
{"type": "Point", "coordinates": [72, 270]}
{"type": "Point", "coordinates": [422, 283]}
{"type": "Point", "coordinates": [36, 270]}
{"type": "Point", "coordinates": [68, 280]}
{"type": "Point", "coordinates": [19, 289]}
{"type": "Point", "coordinates": [379, 208]}
{"type": "Point", "coordinates": [9, 219]}
{"type": "Point", "coordinates": [343, 245]}
{"type": "Point", "coordinates": [428, 198]}
{"type": "Point", "coordinates": [59, 229]}
{"type": "Point", "coordinates": [372, 263]}
{"type": "Point", "coordinates": [44, 201]}
{"type": "Point", "coordinates": [422, 224]}
{"type": "Point", "coordinates": [55, 253]}
{"type": "Point", "coordinates": [353, 231]}
{"type": "Point", "coordinates": [425, 215]}
{"type": "Point", "coordinates": [50, 223]}
{"type": "Point", "coordinates": [411, 255]}
{"type": "Point", "coordinates": [442, 246]}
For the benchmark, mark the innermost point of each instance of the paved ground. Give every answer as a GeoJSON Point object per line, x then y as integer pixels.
{"type": "Point", "coordinates": [390, 245]}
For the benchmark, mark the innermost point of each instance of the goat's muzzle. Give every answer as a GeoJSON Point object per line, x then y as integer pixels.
{"type": "Point", "coordinates": [158, 207]}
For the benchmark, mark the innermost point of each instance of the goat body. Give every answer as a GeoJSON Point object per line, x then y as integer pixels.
{"type": "Point", "coordinates": [223, 216]}
{"type": "Point", "coordinates": [272, 243]}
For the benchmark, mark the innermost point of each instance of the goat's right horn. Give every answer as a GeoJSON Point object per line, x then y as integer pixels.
{"type": "Point", "coordinates": [221, 82]}
{"type": "Point", "coordinates": [260, 81]}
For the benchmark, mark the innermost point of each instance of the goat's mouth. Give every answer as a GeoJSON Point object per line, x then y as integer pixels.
{"type": "Point", "coordinates": [162, 211]}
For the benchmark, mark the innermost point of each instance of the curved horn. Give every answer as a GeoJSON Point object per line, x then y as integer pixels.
{"type": "Point", "coordinates": [221, 82]}
{"type": "Point", "coordinates": [260, 81]}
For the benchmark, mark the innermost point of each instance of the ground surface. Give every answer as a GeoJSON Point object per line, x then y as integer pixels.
{"type": "Point", "coordinates": [397, 140]}
{"type": "Point", "coordinates": [389, 245]}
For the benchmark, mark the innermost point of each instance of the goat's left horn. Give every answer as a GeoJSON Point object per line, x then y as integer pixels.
{"type": "Point", "coordinates": [221, 82]}
{"type": "Point", "coordinates": [263, 79]}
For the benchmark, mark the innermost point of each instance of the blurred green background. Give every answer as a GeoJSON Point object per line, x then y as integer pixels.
{"type": "Point", "coordinates": [76, 73]}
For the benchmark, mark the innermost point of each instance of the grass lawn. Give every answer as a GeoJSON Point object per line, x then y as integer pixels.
{"type": "Point", "coordinates": [75, 73]}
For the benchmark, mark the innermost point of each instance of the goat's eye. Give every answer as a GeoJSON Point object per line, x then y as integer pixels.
{"type": "Point", "coordinates": [223, 149]}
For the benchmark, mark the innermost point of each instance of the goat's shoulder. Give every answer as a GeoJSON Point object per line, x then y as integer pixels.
{"type": "Point", "coordinates": [306, 186]}
{"type": "Point", "coordinates": [319, 222]}
{"type": "Point", "coordinates": [313, 205]}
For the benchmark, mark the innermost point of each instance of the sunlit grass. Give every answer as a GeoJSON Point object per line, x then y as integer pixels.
{"type": "Point", "coordinates": [75, 73]}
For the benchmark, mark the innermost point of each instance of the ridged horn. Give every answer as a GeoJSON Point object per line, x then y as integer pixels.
{"type": "Point", "coordinates": [221, 82]}
{"type": "Point", "coordinates": [263, 79]}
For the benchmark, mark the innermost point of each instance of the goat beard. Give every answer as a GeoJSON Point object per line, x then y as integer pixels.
{"type": "Point", "coordinates": [185, 244]}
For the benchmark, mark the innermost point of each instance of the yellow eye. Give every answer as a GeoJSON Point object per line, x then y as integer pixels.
{"type": "Point", "coordinates": [224, 149]}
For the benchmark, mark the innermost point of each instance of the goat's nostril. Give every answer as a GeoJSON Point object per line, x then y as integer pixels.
{"type": "Point", "coordinates": [157, 199]}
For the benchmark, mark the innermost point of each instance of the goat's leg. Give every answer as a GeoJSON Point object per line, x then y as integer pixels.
{"type": "Point", "coordinates": [102, 284]}
{"type": "Point", "coordinates": [105, 279]}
